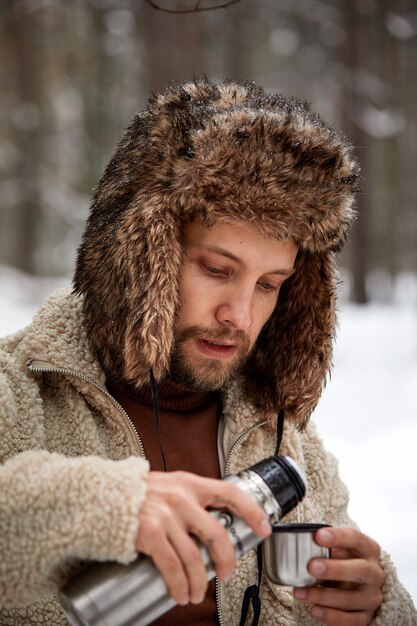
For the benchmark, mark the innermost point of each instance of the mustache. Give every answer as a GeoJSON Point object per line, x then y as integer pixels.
{"type": "Point", "coordinates": [237, 337]}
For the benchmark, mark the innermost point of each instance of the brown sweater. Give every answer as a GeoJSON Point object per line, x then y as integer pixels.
{"type": "Point", "coordinates": [189, 437]}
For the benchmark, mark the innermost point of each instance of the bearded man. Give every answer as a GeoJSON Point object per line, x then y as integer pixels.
{"type": "Point", "coordinates": [203, 308]}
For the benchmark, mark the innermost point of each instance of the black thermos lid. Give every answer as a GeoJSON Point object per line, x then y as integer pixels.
{"type": "Point", "coordinates": [286, 482]}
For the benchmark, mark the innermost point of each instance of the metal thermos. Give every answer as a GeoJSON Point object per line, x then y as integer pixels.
{"type": "Point", "coordinates": [111, 594]}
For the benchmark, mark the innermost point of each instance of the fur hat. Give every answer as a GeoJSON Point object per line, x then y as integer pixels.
{"type": "Point", "coordinates": [223, 151]}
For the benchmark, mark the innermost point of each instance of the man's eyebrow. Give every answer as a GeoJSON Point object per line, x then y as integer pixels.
{"type": "Point", "coordinates": [222, 252]}
{"type": "Point", "coordinates": [233, 257]}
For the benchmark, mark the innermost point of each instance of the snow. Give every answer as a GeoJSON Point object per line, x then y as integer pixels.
{"type": "Point", "coordinates": [367, 415]}
{"type": "Point", "coordinates": [367, 418]}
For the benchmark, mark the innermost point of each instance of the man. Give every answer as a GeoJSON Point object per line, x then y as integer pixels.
{"type": "Point", "coordinates": [205, 277]}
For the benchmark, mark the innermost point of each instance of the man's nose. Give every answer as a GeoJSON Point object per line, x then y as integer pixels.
{"type": "Point", "coordinates": [236, 311]}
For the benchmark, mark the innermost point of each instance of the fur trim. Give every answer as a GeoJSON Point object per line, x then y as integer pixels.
{"type": "Point", "coordinates": [221, 151]}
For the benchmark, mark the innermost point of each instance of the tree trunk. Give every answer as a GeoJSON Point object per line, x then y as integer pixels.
{"type": "Point", "coordinates": [359, 246]}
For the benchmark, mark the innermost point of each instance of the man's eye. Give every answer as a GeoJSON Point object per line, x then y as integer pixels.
{"type": "Point", "coordinates": [214, 270]}
{"type": "Point", "coordinates": [267, 286]}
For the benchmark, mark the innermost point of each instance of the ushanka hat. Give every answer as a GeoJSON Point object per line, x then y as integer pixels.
{"type": "Point", "coordinates": [221, 151]}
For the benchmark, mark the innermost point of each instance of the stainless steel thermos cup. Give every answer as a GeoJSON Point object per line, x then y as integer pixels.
{"type": "Point", "coordinates": [288, 551]}
{"type": "Point", "coordinates": [111, 594]}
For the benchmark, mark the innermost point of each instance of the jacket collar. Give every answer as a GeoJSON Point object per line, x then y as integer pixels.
{"type": "Point", "coordinates": [57, 336]}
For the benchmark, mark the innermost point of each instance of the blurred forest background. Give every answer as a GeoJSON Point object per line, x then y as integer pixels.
{"type": "Point", "coordinates": [73, 73]}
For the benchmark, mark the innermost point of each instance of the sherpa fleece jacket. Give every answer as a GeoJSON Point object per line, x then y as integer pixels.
{"type": "Point", "coordinates": [73, 477]}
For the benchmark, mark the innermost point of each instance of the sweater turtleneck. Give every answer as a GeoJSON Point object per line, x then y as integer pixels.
{"type": "Point", "coordinates": [188, 423]}
{"type": "Point", "coordinates": [172, 396]}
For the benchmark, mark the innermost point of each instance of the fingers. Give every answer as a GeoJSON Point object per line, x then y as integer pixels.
{"type": "Point", "coordinates": [193, 574]}
{"type": "Point", "coordinates": [174, 553]}
{"type": "Point", "coordinates": [217, 541]}
{"type": "Point", "coordinates": [209, 492]}
{"type": "Point", "coordinates": [353, 541]}
{"type": "Point", "coordinates": [171, 568]}
{"type": "Point", "coordinates": [222, 494]}
{"type": "Point", "coordinates": [345, 600]}
{"type": "Point", "coordinates": [334, 617]}
{"type": "Point", "coordinates": [174, 511]}
{"type": "Point", "coordinates": [357, 572]}
{"type": "Point", "coordinates": [363, 566]}
{"type": "Point", "coordinates": [337, 607]}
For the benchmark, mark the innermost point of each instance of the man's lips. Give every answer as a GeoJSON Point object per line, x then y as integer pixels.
{"type": "Point", "coordinates": [216, 350]}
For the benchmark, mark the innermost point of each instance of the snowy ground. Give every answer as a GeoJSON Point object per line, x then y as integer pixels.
{"type": "Point", "coordinates": [367, 416]}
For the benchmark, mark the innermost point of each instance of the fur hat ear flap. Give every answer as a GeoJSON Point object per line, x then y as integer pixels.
{"type": "Point", "coordinates": [297, 338]}
{"type": "Point", "coordinates": [154, 274]}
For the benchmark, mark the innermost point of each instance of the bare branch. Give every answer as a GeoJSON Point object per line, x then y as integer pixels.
{"type": "Point", "coordinates": [197, 8]}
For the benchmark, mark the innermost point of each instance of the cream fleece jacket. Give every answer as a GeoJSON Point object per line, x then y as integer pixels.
{"type": "Point", "coordinates": [73, 477]}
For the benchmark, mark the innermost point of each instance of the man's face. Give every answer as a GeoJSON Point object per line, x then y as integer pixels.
{"type": "Point", "coordinates": [229, 286]}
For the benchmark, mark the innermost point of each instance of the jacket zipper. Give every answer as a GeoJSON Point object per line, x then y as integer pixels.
{"type": "Point", "coordinates": [238, 441]}
{"type": "Point", "coordinates": [69, 372]}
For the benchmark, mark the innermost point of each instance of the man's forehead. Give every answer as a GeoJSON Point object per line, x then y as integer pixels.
{"type": "Point", "coordinates": [199, 230]}
{"type": "Point", "coordinates": [241, 242]}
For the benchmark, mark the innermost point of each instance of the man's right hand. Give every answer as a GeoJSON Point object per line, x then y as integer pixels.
{"type": "Point", "coordinates": [175, 508]}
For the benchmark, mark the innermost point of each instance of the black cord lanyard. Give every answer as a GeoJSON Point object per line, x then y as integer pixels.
{"type": "Point", "coordinates": [252, 593]}
{"type": "Point", "coordinates": [154, 391]}
{"type": "Point", "coordinates": [280, 430]}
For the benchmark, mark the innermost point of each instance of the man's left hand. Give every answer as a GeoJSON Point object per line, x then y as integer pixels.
{"type": "Point", "coordinates": [356, 570]}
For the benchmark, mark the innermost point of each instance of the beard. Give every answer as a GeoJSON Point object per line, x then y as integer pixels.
{"type": "Point", "coordinates": [203, 373]}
